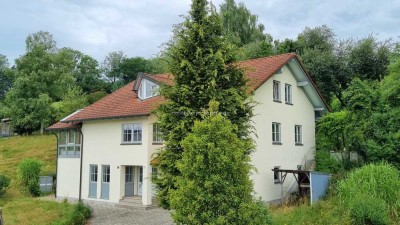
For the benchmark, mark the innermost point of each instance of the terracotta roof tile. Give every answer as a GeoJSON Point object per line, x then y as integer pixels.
{"type": "Point", "coordinates": [260, 70]}
{"type": "Point", "coordinates": [64, 126]}
{"type": "Point", "coordinates": [125, 103]}
{"type": "Point", "coordinates": [121, 103]}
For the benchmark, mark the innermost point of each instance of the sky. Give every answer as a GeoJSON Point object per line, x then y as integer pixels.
{"type": "Point", "coordinates": [140, 27]}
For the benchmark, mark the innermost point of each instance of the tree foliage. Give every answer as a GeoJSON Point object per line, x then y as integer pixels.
{"type": "Point", "coordinates": [201, 62]}
{"type": "Point", "coordinates": [42, 75]}
{"type": "Point", "coordinates": [240, 26]}
{"type": "Point", "coordinates": [214, 186]}
{"type": "Point", "coordinates": [369, 123]}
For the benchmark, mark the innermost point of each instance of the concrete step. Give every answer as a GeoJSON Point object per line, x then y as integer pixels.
{"type": "Point", "coordinates": [135, 202]}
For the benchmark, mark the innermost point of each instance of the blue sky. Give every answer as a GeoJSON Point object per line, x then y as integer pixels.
{"type": "Point", "coordinates": [139, 28]}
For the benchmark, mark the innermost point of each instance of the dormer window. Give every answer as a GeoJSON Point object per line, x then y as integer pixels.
{"type": "Point", "coordinates": [147, 89]}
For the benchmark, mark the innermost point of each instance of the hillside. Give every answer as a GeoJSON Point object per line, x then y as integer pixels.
{"type": "Point", "coordinates": [18, 208]}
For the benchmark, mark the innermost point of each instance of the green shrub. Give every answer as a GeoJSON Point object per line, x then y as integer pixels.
{"type": "Point", "coordinates": [379, 181]}
{"type": "Point", "coordinates": [28, 174]}
{"type": "Point", "coordinates": [80, 214]}
{"type": "Point", "coordinates": [4, 183]}
{"type": "Point", "coordinates": [325, 163]}
{"type": "Point", "coordinates": [368, 210]}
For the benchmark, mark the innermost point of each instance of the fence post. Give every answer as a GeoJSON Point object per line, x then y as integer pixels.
{"type": "Point", "coordinates": [1, 217]}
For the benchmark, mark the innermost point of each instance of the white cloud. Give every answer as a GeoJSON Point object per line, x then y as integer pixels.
{"type": "Point", "coordinates": [97, 27]}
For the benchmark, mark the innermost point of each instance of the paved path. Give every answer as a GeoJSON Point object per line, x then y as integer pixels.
{"type": "Point", "coordinates": [104, 214]}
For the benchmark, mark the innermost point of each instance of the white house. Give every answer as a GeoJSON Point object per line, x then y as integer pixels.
{"type": "Point", "coordinates": [104, 150]}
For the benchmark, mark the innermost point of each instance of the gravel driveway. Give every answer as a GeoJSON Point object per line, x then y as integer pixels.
{"type": "Point", "coordinates": [110, 215]}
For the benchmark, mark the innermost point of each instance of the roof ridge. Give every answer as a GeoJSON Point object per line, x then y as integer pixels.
{"type": "Point", "coordinates": [266, 57]}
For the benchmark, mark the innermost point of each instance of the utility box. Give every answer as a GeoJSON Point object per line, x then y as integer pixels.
{"type": "Point", "coordinates": [46, 184]}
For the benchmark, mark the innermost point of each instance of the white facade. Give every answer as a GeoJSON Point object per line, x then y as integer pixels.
{"type": "Point", "coordinates": [102, 145]}
{"type": "Point", "coordinates": [287, 155]}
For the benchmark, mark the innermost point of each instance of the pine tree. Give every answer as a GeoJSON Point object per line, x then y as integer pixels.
{"type": "Point", "coordinates": [203, 66]}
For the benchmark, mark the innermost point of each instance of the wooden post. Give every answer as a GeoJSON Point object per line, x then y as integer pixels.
{"type": "Point", "coordinates": [1, 217]}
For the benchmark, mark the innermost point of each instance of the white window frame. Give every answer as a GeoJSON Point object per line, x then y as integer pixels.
{"type": "Point", "coordinates": [69, 145]}
{"type": "Point", "coordinates": [276, 91]}
{"type": "Point", "coordinates": [298, 134]}
{"type": "Point", "coordinates": [288, 93]}
{"type": "Point", "coordinates": [157, 135]}
{"type": "Point", "coordinates": [143, 89]}
{"type": "Point", "coordinates": [276, 133]}
{"type": "Point", "coordinates": [135, 137]}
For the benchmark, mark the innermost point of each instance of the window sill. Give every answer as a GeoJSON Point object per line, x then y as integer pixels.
{"type": "Point", "coordinates": [69, 156]}
{"type": "Point", "coordinates": [277, 143]}
{"type": "Point", "coordinates": [90, 196]}
{"type": "Point", "coordinates": [288, 103]}
{"type": "Point", "coordinates": [131, 143]}
{"type": "Point", "coordinates": [299, 144]}
{"type": "Point", "coordinates": [157, 143]}
{"type": "Point", "coordinates": [105, 198]}
{"type": "Point", "coordinates": [279, 101]}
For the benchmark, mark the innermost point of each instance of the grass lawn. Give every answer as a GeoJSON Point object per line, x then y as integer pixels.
{"type": "Point", "coordinates": [325, 212]}
{"type": "Point", "coordinates": [18, 208]}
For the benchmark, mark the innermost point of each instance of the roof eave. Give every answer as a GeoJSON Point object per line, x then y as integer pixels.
{"type": "Point", "coordinates": [312, 92]}
{"type": "Point", "coordinates": [106, 118]}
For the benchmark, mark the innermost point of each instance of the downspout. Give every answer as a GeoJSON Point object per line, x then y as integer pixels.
{"type": "Point", "coordinates": [55, 192]}
{"type": "Point", "coordinates": [80, 173]}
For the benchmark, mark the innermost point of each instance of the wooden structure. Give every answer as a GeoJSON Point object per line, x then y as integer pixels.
{"type": "Point", "coordinates": [302, 177]}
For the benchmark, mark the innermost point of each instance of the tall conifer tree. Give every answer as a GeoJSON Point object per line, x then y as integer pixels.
{"type": "Point", "coordinates": [203, 67]}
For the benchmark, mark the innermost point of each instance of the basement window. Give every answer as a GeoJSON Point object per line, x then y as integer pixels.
{"type": "Point", "coordinates": [277, 179]}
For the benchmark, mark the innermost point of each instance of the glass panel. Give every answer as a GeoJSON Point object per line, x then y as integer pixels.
{"type": "Point", "coordinates": [63, 137]}
{"type": "Point", "coordinates": [70, 150]}
{"type": "Point", "coordinates": [77, 150]}
{"type": "Point", "coordinates": [93, 173]}
{"type": "Point", "coordinates": [77, 137]}
{"type": "Point", "coordinates": [141, 174]}
{"type": "Point", "coordinates": [62, 150]}
{"type": "Point", "coordinates": [149, 89]}
{"type": "Point", "coordinates": [71, 136]}
{"type": "Point", "coordinates": [106, 174]}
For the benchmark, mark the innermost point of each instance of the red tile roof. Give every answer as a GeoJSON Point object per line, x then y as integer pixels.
{"type": "Point", "coordinates": [125, 103]}
{"type": "Point", "coordinates": [64, 126]}
{"type": "Point", "coordinates": [121, 103]}
{"type": "Point", "coordinates": [260, 70]}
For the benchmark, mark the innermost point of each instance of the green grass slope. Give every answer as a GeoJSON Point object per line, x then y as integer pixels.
{"type": "Point", "coordinates": [18, 207]}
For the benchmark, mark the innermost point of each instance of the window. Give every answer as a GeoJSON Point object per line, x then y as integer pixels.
{"type": "Point", "coordinates": [132, 133]}
{"type": "Point", "coordinates": [157, 136]}
{"type": "Point", "coordinates": [147, 89]}
{"type": "Point", "coordinates": [106, 174]}
{"type": "Point", "coordinates": [277, 179]}
{"type": "Point", "coordinates": [288, 93]}
{"type": "Point", "coordinates": [93, 173]}
{"type": "Point", "coordinates": [277, 91]}
{"type": "Point", "coordinates": [129, 174]}
{"type": "Point", "coordinates": [154, 171]}
{"type": "Point", "coordinates": [276, 132]}
{"type": "Point", "coordinates": [298, 135]}
{"type": "Point", "coordinates": [69, 143]}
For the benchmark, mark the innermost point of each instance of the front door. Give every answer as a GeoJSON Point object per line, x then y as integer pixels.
{"type": "Point", "coordinates": [129, 181]}
{"type": "Point", "coordinates": [93, 181]}
{"type": "Point", "coordinates": [140, 179]}
{"type": "Point", "coordinates": [105, 182]}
